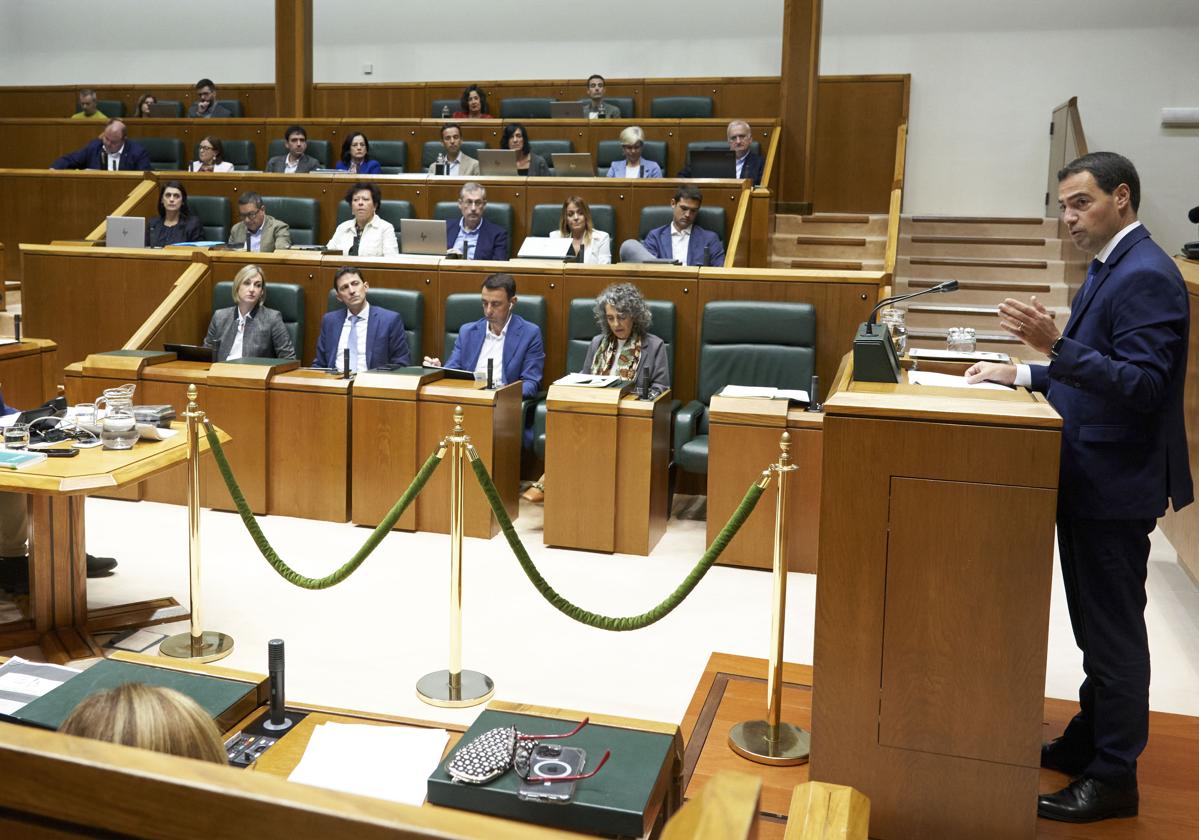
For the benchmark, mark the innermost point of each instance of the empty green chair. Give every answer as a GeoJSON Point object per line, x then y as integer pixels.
{"type": "Point", "coordinates": [234, 106]}
{"type": "Point", "coordinates": [525, 108]}
{"type": "Point", "coordinates": [174, 103]}
{"type": "Point", "coordinates": [497, 212]}
{"type": "Point", "coordinates": [214, 214]}
{"type": "Point", "coordinates": [391, 154]}
{"type": "Point", "coordinates": [548, 148]}
{"type": "Point", "coordinates": [609, 150]}
{"type": "Point", "coordinates": [680, 107]}
{"type": "Point", "coordinates": [626, 104]}
{"type": "Point", "coordinates": [433, 148]}
{"type": "Point", "coordinates": [319, 149]}
{"type": "Point", "coordinates": [286, 298]}
{"type": "Point", "coordinates": [303, 216]}
{"type": "Point", "coordinates": [708, 218]}
{"type": "Point", "coordinates": [111, 108]}
{"type": "Point", "coordinates": [744, 343]}
{"type": "Point", "coordinates": [439, 106]}
{"type": "Point", "coordinates": [410, 305]}
{"type": "Point", "coordinates": [166, 153]}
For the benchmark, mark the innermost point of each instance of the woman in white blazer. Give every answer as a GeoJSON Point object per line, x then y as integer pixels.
{"type": "Point", "coordinates": [576, 223]}
{"type": "Point", "coordinates": [212, 156]}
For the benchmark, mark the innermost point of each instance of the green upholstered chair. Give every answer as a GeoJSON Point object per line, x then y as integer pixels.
{"type": "Point", "coordinates": [174, 103]}
{"type": "Point", "coordinates": [391, 154]}
{"type": "Point", "coordinates": [525, 108]}
{"type": "Point", "coordinates": [319, 149]}
{"type": "Point", "coordinates": [234, 106]}
{"type": "Point", "coordinates": [546, 218]}
{"type": "Point", "coordinates": [439, 104]}
{"type": "Point", "coordinates": [410, 305]}
{"type": "Point", "coordinates": [433, 148]}
{"type": "Point", "coordinates": [166, 153]}
{"type": "Point", "coordinates": [241, 153]}
{"type": "Point", "coordinates": [744, 343]}
{"type": "Point", "coordinates": [111, 108]}
{"type": "Point", "coordinates": [391, 211]}
{"type": "Point", "coordinates": [303, 216]}
{"type": "Point", "coordinates": [497, 212]}
{"type": "Point", "coordinates": [708, 218]}
{"type": "Point", "coordinates": [717, 145]}
{"type": "Point", "coordinates": [214, 213]}
{"type": "Point", "coordinates": [609, 150]}
{"type": "Point", "coordinates": [286, 298]}
{"type": "Point", "coordinates": [680, 107]}
{"type": "Point", "coordinates": [548, 148]}
{"type": "Point", "coordinates": [626, 104]}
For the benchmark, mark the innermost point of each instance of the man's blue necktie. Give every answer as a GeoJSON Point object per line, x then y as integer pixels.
{"type": "Point", "coordinates": [1092, 270]}
{"type": "Point", "coordinates": [354, 319]}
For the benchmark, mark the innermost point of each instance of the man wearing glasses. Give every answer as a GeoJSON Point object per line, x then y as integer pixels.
{"type": "Point", "coordinates": [472, 237]}
{"type": "Point", "coordinates": [257, 231]}
{"type": "Point", "coordinates": [206, 105]}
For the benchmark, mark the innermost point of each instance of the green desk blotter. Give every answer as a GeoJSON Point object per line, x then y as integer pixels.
{"type": "Point", "coordinates": [615, 801]}
{"type": "Point", "coordinates": [227, 701]}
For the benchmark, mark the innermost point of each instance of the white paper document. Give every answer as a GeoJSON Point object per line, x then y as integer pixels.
{"type": "Point", "coordinates": [958, 356]}
{"type": "Point", "coordinates": [764, 393]}
{"type": "Point", "coordinates": [587, 380]}
{"type": "Point", "coordinates": [950, 380]}
{"type": "Point", "coordinates": [386, 762]}
{"type": "Point", "coordinates": [22, 682]}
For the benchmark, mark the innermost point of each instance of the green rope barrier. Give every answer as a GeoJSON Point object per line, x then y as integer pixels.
{"type": "Point", "coordinates": [603, 622]}
{"type": "Point", "coordinates": [286, 572]}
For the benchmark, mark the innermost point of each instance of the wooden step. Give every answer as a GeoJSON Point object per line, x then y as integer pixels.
{"type": "Point", "coordinates": [980, 226]}
{"type": "Point", "coordinates": [848, 241]}
{"type": "Point", "coordinates": [979, 220]}
{"type": "Point", "coordinates": [1032, 287]}
{"type": "Point", "coordinates": [830, 265]}
{"type": "Point", "coordinates": [1044, 271]}
{"type": "Point", "coordinates": [831, 224]}
{"type": "Point", "coordinates": [836, 218]}
{"type": "Point", "coordinates": [978, 240]}
{"type": "Point", "coordinates": [973, 262]}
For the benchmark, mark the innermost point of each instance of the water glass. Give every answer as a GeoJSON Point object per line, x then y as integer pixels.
{"type": "Point", "coordinates": [16, 436]}
{"type": "Point", "coordinates": [960, 339]}
{"type": "Point", "coordinates": [894, 319]}
{"type": "Point", "coordinates": [118, 431]}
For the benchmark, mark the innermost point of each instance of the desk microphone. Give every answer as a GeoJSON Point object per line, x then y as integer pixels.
{"type": "Point", "coordinates": [814, 403]}
{"type": "Point", "coordinates": [707, 255]}
{"type": "Point", "coordinates": [642, 384]}
{"type": "Point", "coordinates": [274, 655]}
{"type": "Point", "coordinates": [874, 358]}
{"type": "Point", "coordinates": [345, 363]}
{"type": "Point", "coordinates": [16, 327]}
{"type": "Point", "coordinates": [491, 374]}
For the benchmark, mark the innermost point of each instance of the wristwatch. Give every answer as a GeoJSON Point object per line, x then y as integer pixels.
{"type": "Point", "coordinates": [1056, 347]}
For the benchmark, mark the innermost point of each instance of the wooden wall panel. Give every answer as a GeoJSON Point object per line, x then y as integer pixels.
{"type": "Point", "coordinates": [258, 100]}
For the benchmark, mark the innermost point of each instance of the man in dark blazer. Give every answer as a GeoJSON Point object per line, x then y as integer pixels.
{"type": "Point", "coordinates": [501, 335]}
{"type": "Point", "coordinates": [296, 160]}
{"type": "Point", "coordinates": [380, 341]}
{"type": "Point", "coordinates": [473, 236]}
{"type": "Point", "coordinates": [749, 164]}
{"type": "Point", "coordinates": [110, 151]}
{"type": "Point", "coordinates": [703, 247]}
{"type": "Point", "coordinates": [1116, 376]}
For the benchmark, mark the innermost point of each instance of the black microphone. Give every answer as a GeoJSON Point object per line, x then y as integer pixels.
{"type": "Point", "coordinates": [1193, 215]}
{"type": "Point", "coordinates": [707, 255]}
{"type": "Point", "coordinates": [642, 384]}
{"type": "Point", "coordinates": [814, 403]}
{"type": "Point", "coordinates": [491, 374]}
{"type": "Point", "coordinates": [274, 655]}
{"type": "Point", "coordinates": [345, 363]}
{"type": "Point", "coordinates": [16, 327]}
{"type": "Point", "coordinates": [874, 357]}
{"type": "Point", "coordinates": [947, 286]}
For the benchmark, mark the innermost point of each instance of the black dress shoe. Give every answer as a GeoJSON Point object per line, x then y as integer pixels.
{"type": "Point", "coordinates": [1055, 755]}
{"type": "Point", "coordinates": [1088, 800]}
{"type": "Point", "coordinates": [100, 566]}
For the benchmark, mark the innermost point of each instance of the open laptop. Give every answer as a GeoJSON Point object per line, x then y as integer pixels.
{"type": "Point", "coordinates": [497, 161]}
{"type": "Point", "coordinates": [545, 248]}
{"type": "Point", "coordinates": [167, 110]}
{"type": "Point", "coordinates": [423, 236]}
{"type": "Point", "coordinates": [190, 352]}
{"type": "Point", "coordinates": [125, 232]}
{"type": "Point", "coordinates": [573, 165]}
{"type": "Point", "coordinates": [567, 110]}
{"type": "Point", "coordinates": [713, 163]}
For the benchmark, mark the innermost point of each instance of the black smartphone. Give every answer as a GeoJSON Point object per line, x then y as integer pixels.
{"type": "Point", "coordinates": [550, 761]}
{"type": "Point", "coordinates": [58, 453]}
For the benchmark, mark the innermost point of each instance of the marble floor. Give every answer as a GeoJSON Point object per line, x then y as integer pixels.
{"type": "Point", "coordinates": [364, 643]}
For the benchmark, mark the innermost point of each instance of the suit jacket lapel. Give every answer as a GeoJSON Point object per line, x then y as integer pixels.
{"type": "Point", "coordinates": [510, 342]}
{"type": "Point", "coordinates": [1105, 270]}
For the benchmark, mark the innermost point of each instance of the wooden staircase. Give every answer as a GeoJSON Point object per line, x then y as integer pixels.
{"type": "Point", "coordinates": [829, 241]}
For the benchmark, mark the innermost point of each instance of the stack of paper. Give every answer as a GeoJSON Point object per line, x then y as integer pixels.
{"type": "Point", "coordinates": [947, 380]}
{"type": "Point", "coordinates": [765, 393]}
{"type": "Point", "coordinates": [587, 380]}
{"type": "Point", "coordinates": [386, 762]}
{"type": "Point", "coordinates": [22, 682]}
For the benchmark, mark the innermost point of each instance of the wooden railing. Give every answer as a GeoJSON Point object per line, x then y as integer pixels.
{"type": "Point", "coordinates": [896, 208]}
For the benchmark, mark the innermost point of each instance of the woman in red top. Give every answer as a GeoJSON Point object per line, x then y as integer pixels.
{"type": "Point", "coordinates": [473, 105]}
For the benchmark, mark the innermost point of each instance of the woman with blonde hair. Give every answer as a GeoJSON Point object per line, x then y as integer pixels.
{"type": "Point", "coordinates": [575, 222]}
{"type": "Point", "coordinates": [150, 717]}
{"type": "Point", "coordinates": [248, 329]}
{"type": "Point", "coordinates": [634, 165]}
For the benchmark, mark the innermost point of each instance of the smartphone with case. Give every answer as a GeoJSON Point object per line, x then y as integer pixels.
{"type": "Point", "coordinates": [550, 761]}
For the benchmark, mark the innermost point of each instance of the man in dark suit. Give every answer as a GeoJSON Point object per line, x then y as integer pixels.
{"type": "Point", "coordinates": [473, 236]}
{"type": "Point", "coordinates": [682, 240]}
{"type": "Point", "coordinates": [1116, 376]}
{"type": "Point", "coordinates": [206, 104]}
{"type": "Point", "coordinates": [374, 336]}
{"type": "Point", "coordinates": [110, 151]}
{"type": "Point", "coordinates": [297, 158]}
{"type": "Point", "coordinates": [749, 164]}
{"type": "Point", "coordinates": [512, 342]}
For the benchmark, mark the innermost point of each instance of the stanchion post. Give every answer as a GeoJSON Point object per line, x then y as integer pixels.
{"type": "Point", "coordinates": [773, 741]}
{"type": "Point", "coordinates": [195, 645]}
{"type": "Point", "coordinates": [455, 687]}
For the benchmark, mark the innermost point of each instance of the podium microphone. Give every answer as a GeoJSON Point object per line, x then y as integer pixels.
{"type": "Point", "coordinates": [274, 655]}
{"type": "Point", "coordinates": [814, 403]}
{"type": "Point", "coordinates": [345, 363]}
{"type": "Point", "coordinates": [874, 358]}
{"type": "Point", "coordinates": [491, 374]}
{"type": "Point", "coordinates": [16, 327]}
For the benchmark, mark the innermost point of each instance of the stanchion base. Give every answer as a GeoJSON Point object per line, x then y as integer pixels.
{"type": "Point", "coordinates": [472, 689]}
{"type": "Point", "coordinates": [751, 739]}
{"type": "Point", "coordinates": [210, 647]}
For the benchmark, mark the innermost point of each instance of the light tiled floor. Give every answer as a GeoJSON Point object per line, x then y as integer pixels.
{"type": "Point", "coordinates": [363, 644]}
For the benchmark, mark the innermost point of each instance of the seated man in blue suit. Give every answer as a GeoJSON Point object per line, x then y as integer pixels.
{"type": "Point", "coordinates": [514, 343]}
{"type": "Point", "coordinates": [472, 236]}
{"type": "Point", "coordinates": [374, 336]}
{"type": "Point", "coordinates": [109, 151]}
{"type": "Point", "coordinates": [682, 240]}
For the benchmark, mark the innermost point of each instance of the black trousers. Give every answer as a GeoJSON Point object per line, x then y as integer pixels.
{"type": "Point", "coordinates": [1104, 565]}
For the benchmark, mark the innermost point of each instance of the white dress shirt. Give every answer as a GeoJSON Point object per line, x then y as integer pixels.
{"type": "Point", "coordinates": [598, 252]}
{"type": "Point", "coordinates": [631, 171]}
{"type": "Point", "coordinates": [290, 167]}
{"type": "Point", "coordinates": [255, 237]}
{"type": "Point", "coordinates": [235, 351]}
{"type": "Point", "coordinates": [680, 241]}
{"type": "Point", "coordinates": [344, 341]}
{"type": "Point", "coordinates": [493, 348]}
{"type": "Point", "coordinates": [114, 159]}
{"type": "Point", "coordinates": [378, 238]}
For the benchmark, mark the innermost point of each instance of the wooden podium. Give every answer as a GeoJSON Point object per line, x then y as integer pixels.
{"type": "Point", "coordinates": [309, 445]}
{"type": "Point", "coordinates": [932, 605]}
{"type": "Point", "coordinates": [607, 460]}
{"type": "Point", "coordinates": [743, 439]}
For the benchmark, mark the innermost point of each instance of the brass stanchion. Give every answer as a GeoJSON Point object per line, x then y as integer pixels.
{"type": "Point", "coordinates": [454, 687]}
{"type": "Point", "coordinates": [197, 645]}
{"type": "Point", "coordinates": [773, 741]}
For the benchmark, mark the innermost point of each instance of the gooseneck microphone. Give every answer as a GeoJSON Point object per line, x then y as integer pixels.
{"type": "Point", "coordinates": [874, 357]}
{"type": "Point", "coordinates": [947, 286]}
{"type": "Point", "coordinates": [345, 363]}
{"type": "Point", "coordinates": [274, 655]}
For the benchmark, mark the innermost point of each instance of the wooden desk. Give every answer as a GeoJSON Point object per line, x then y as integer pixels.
{"type": "Point", "coordinates": [743, 440]}
{"type": "Point", "coordinates": [932, 603]}
{"type": "Point", "coordinates": [60, 622]}
{"type": "Point", "coordinates": [607, 458]}
{"type": "Point", "coordinates": [1182, 527]}
{"type": "Point", "coordinates": [27, 372]}
{"type": "Point", "coordinates": [308, 417]}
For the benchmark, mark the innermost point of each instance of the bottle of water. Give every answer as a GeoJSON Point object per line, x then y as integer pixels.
{"type": "Point", "coordinates": [445, 112]}
{"type": "Point", "coordinates": [442, 166]}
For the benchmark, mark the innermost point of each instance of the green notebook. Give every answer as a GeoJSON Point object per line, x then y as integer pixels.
{"type": "Point", "coordinates": [612, 802]}
{"type": "Point", "coordinates": [227, 701]}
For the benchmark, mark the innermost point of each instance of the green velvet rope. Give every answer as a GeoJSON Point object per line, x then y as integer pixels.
{"type": "Point", "coordinates": [286, 572]}
{"type": "Point", "coordinates": [604, 622]}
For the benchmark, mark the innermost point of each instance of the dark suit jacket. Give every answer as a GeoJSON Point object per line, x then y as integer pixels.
{"type": "Point", "coordinates": [216, 109]}
{"type": "Point", "coordinates": [752, 168]}
{"type": "Point", "coordinates": [369, 167]}
{"type": "Point", "coordinates": [279, 163]}
{"type": "Point", "coordinates": [492, 244]}
{"type": "Point", "coordinates": [266, 335]}
{"type": "Point", "coordinates": [92, 156]}
{"type": "Point", "coordinates": [189, 229]}
{"type": "Point", "coordinates": [653, 359]}
{"type": "Point", "coordinates": [658, 243]}
{"type": "Point", "coordinates": [524, 354]}
{"type": "Point", "coordinates": [1117, 382]}
{"type": "Point", "coordinates": [386, 341]}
